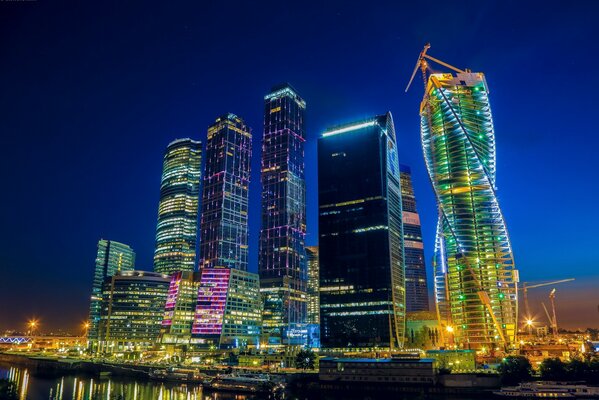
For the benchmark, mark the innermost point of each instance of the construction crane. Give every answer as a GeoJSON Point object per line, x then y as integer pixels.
{"type": "Point", "coordinates": [483, 296]}
{"type": "Point", "coordinates": [547, 314]}
{"type": "Point", "coordinates": [533, 285]}
{"type": "Point", "coordinates": [423, 65]}
{"type": "Point", "coordinates": [554, 322]}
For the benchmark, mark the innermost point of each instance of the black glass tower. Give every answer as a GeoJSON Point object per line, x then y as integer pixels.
{"type": "Point", "coordinates": [416, 287]}
{"type": "Point", "coordinates": [282, 254]}
{"type": "Point", "coordinates": [362, 292]}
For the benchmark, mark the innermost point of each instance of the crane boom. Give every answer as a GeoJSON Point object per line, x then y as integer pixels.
{"type": "Point", "coordinates": [541, 284]}
{"type": "Point", "coordinates": [552, 298]}
{"type": "Point", "coordinates": [419, 64]}
{"type": "Point", "coordinates": [547, 314]}
{"type": "Point", "coordinates": [526, 286]}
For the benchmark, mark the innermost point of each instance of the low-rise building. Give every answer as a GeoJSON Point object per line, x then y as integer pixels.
{"type": "Point", "coordinates": [405, 371]}
{"type": "Point", "coordinates": [455, 360]}
{"type": "Point", "coordinates": [228, 311]}
{"type": "Point", "coordinates": [536, 353]}
{"type": "Point", "coordinates": [132, 311]}
{"type": "Point", "coordinates": [422, 330]}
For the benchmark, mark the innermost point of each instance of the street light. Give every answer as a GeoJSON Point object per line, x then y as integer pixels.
{"type": "Point", "coordinates": [450, 330]}
{"type": "Point", "coordinates": [33, 323]}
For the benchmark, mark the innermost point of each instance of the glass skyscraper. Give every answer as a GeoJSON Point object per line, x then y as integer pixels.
{"type": "Point", "coordinates": [228, 309]}
{"type": "Point", "coordinates": [111, 258]}
{"type": "Point", "coordinates": [224, 220]}
{"type": "Point", "coordinates": [177, 226]}
{"type": "Point", "coordinates": [313, 285]}
{"type": "Point", "coordinates": [475, 275]}
{"type": "Point", "coordinates": [282, 254]}
{"type": "Point", "coordinates": [362, 288]}
{"type": "Point", "coordinates": [416, 287]}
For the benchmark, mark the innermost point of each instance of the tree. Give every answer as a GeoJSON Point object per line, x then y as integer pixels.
{"type": "Point", "coordinates": [515, 369]}
{"type": "Point", "coordinates": [305, 359]}
{"type": "Point", "coordinates": [553, 369]}
{"type": "Point", "coordinates": [576, 370]}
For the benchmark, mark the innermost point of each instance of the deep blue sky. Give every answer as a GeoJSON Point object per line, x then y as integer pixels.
{"type": "Point", "coordinates": [92, 92]}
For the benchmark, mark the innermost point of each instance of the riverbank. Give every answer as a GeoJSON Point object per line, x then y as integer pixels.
{"type": "Point", "coordinates": [453, 385]}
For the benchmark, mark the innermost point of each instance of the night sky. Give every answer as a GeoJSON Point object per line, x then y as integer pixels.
{"type": "Point", "coordinates": [92, 92]}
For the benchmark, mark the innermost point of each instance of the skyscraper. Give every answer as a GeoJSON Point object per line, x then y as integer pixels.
{"type": "Point", "coordinates": [176, 230]}
{"type": "Point", "coordinates": [228, 310]}
{"type": "Point", "coordinates": [475, 275]}
{"type": "Point", "coordinates": [313, 285]}
{"type": "Point", "coordinates": [111, 258]}
{"type": "Point", "coordinates": [416, 288]}
{"type": "Point", "coordinates": [362, 292]}
{"type": "Point", "coordinates": [224, 220]}
{"type": "Point", "coordinates": [282, 254]}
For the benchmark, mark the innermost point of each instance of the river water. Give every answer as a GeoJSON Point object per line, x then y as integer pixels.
{"type": "Point", "coordinates": [82, 387]}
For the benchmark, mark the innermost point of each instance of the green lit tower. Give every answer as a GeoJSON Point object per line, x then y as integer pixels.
{"type": "Point", "coordinates": [112, 257]}
{"type": "Point", "coordinates": [176, 231]}
{"type": "Point", "coordinates": [474, 270]}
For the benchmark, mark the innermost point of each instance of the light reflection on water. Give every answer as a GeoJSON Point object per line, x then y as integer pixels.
{"type": "Point", "coordinates": [32, 387]}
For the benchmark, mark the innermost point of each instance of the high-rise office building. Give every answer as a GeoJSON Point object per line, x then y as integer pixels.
{"type": "Point", "coordinates": [228, 311]}
{"type": "Point", "coordinates": [475, 275]}
{"type": "Point", "coordinates": [416, 287]}
{"type": "Point", "coordinates": [362, 289]}
{"type": "Point", "coordinates": [177, 226]}
{"type": "Point", "coordinates": [313, 285]}
{"type": "Point", "coordinates": [132, 310]}
{"type": "Point", "coordinates": [282, 254]}
{"type": "Point", "coordinates": [224, 220]}
{"type": "Point", "coordinates": [111, 258]}
{"type": "Point", "coordinates": [179, 309]}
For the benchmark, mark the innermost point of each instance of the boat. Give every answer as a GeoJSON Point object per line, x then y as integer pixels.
{"type": "Point", "coordinates": [177, 374]}
{"type": "Point", "coordinates": [246, 383]}
{"type": "Point", "coordinates": [555, 390]}
{"type": "Point", "coordinates": [104, 374]}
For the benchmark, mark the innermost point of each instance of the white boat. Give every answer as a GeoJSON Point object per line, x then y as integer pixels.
{"type": "Point", "coordinates": [552, 390]}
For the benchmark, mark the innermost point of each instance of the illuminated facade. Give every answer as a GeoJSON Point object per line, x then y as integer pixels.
{"type": "Point", "coordinates": [224, 221]}
{"type": "Point", "coordinates": [180, 306]}
{"type": "Point", "coordinates": [475, 275]}
{"type": "Point", "coordinates": [132, 310]}
{"type": "Point", "coordinates": [111, 258]}
{"type": "Point", "coordinates": [416, 287]}
{"type": "Point", "coordinates": [228, 311]}
{"type": "Point", "coordinates": [282, 255]}
{"type": "Point", "coordinates": [362, 289]}
{"type": "Point", "coordinates": [313, 285]}
{"type": "Point", "coordinates": [176, 230]}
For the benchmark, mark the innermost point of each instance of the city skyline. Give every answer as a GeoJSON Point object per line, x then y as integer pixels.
{"type": "Point", "coordinates": [334, 97]}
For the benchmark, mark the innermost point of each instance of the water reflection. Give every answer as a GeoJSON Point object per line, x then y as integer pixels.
{"type": "Point", "coordinates": [34, 387]}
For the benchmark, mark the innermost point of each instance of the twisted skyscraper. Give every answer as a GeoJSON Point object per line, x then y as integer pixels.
{"type": "Point", "coordinates": [475, 275]}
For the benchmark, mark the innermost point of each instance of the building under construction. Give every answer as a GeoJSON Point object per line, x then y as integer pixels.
{"type": "Point", "coordinates": [474, 270]}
